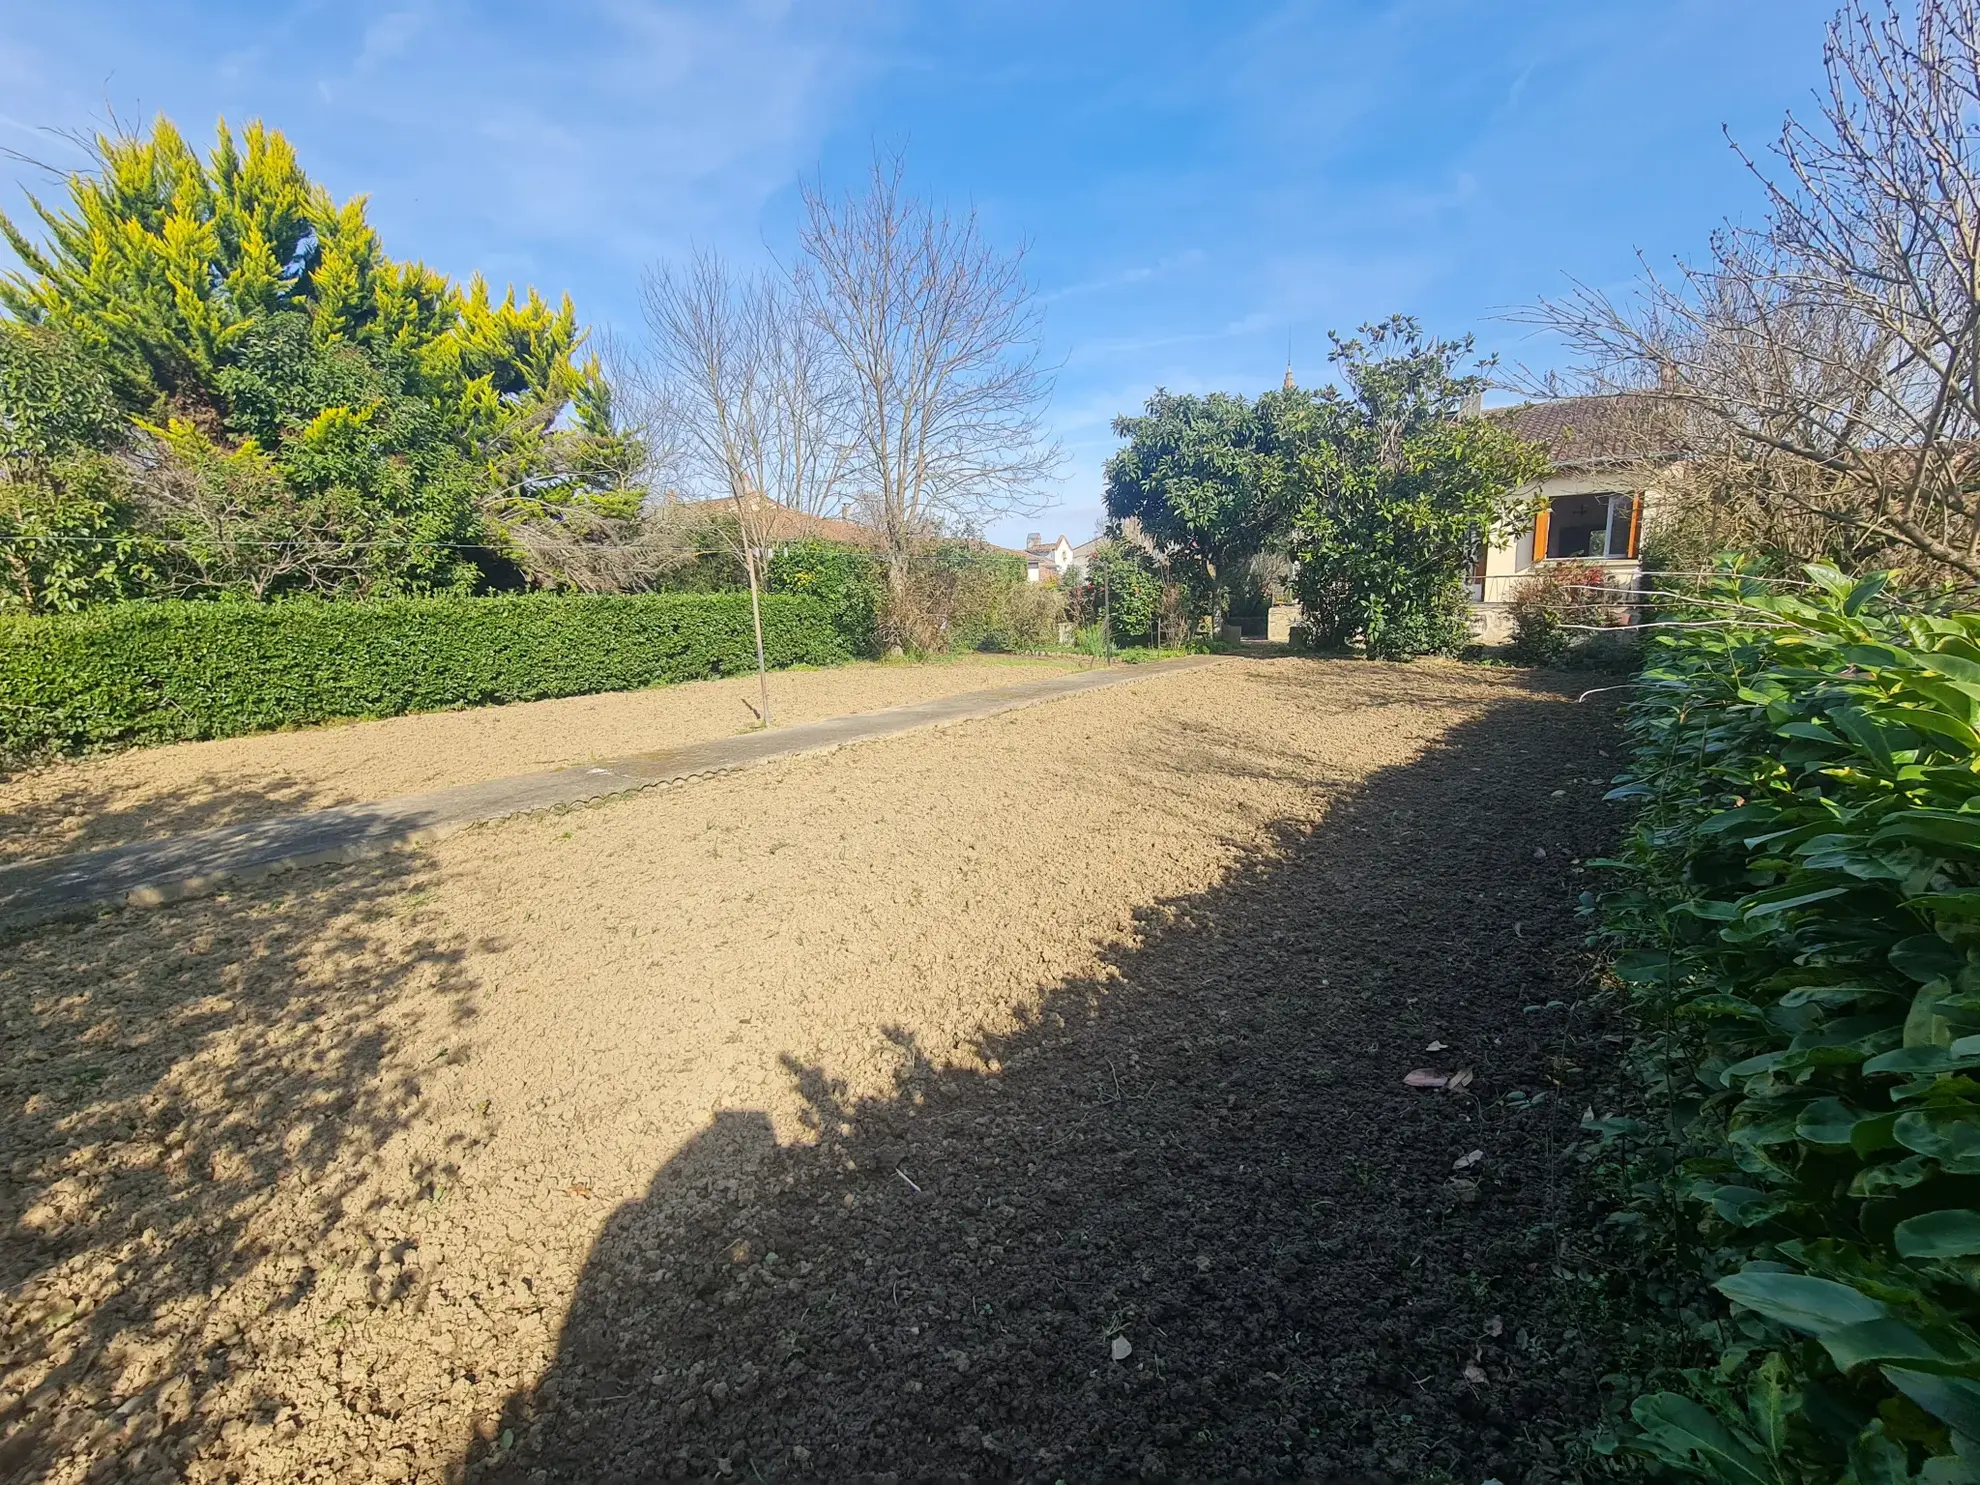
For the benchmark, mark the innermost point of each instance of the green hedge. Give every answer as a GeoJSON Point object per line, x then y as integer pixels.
{"type": "Point", "coordinates": [1801, 937]}
{"type": "Point", "coordinates": [166, 672]}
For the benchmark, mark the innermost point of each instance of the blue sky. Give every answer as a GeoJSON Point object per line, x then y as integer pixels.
{"type": "Point", "coordinates": [1196, 182]}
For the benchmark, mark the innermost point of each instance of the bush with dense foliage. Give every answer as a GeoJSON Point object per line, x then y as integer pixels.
{"type": "Point", "coordinates": [1027, 618]}
{"type": "Point", "coordinates": [213, 381]}
{"type": "Point", "coordinates": [953, 597]}
{"type": "Point", "coordinates": [1209, 480]}
{"type": "Point", "coordinates": [1383, 490]}
{"type": "Point", "coordinates": [164, 672]}
{"type": "Point", "coordinates": [1400, 488]}
{"type": "Point", "coordinates": [1801, 937]}
{"type": "Point", "coordinates": [848, 581]}
{"type": "Point", "coordinates": [1122, 586]}
{"type": "Point", "coordinates": [1552, 610]}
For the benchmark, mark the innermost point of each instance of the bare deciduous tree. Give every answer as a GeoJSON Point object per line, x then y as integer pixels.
{"type": "Point", "coordinates": [755, 402]}
{"type": "Point", "coordinates": [1835, 351]}
{"type": "Point", "coordinates": [935, 334]}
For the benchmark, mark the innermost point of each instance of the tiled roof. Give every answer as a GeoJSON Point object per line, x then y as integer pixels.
{"type": "Point", "coordinates": [798, 525]}
{"type": "Point", "coordinates": [1586, 430]}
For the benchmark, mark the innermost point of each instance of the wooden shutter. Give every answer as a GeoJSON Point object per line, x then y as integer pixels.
{"type": "Point", "coordinates": [1540, 531]}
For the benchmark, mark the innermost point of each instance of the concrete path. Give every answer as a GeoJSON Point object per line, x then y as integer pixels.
{"type": "Point", "coordinates": [150, 872]}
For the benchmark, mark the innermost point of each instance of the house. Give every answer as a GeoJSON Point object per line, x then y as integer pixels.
{"type": "Point", "coordinates": [1591, 503]}
{"type": "Point", "coordinates": [1043, 560]}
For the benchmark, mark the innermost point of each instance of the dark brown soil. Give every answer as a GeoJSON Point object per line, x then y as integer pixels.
{"type": "Point", "coordinates": [1209, 1152]}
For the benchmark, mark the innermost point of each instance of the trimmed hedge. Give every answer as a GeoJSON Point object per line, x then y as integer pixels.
{"type": "Point", "coordinates": [168, 672]}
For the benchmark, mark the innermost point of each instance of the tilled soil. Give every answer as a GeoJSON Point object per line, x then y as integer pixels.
{"type": "Point", "coordinates": [1018, 1101]}
{"type": "Point", "coordinates": [110, 800]}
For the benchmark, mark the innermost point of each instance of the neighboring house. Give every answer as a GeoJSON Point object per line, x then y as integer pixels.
{"type": "Point", "coordinates": [1082, 556]}
{"type": "Point", "coordinates": [1593, 500]}
{"type": "Point", "coordinates": [1044, 560]}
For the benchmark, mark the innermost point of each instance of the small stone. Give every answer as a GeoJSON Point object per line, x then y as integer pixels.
{"type": "Point", "coordinates": [1123, 1348]}
{"type": "Point", "coordinates": [1539, 853]}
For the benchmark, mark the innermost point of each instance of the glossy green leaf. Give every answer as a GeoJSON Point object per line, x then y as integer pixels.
{"type": "Point", "coordinates": [1952, 666]}
{"type": "Point", "coordinates": [1946, 1137]}
{"type": "Point", "coordinates": [1827, 1121]}
{"type": "Point", "coordinates": [1948, 1234]}
{"type": "Point", "coordinates": [1942, 829]}
{"type": "Point", "coordinates": [1865, 591]}
{"type": "Point", "coordinates": [1801, 1301]}
{"type": "Point", "coordinates": [1889, 1339]}
{"type": "Point", "coordinates": [1875, 1460]}
{"type": "Point", "coordinates": [1954, 1401]}
{"type": "Point", "coordinates": [1679, 1432]}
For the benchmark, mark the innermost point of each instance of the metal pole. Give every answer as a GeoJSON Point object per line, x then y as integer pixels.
{"type": "Point", "coordinates": [1107, 615]}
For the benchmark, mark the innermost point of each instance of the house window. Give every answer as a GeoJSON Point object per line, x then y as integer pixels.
{"type": "Point", "coordinates": [1602, 525]}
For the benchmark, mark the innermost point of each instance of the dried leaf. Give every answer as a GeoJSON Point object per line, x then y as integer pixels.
{"type": "Point", "coordinates": [1425, 1077]}
{"type": "Point", "coordinates": [1474, 1373]}
{"type": "Point", "coordinates": [1466, 1162]}
{"type": "Point", "coordinates": [1458, 1081]}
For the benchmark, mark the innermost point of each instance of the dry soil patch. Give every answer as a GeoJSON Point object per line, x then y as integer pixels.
{"type": "Point", "coordinates": [151, 792]}
{"type": "Point", "coordinates": [837, 1120]}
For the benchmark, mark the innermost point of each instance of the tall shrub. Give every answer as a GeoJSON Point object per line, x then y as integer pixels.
{"type": "Point", "coordinates": [1401, 487]}
{"type": "Point", "coordinates": [1122, 585]}
{"type": "Point", "coordinates": [295, 411]}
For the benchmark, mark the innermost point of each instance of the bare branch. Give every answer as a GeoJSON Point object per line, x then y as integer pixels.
{"type": "Point", "coordinates": [1835, 353]}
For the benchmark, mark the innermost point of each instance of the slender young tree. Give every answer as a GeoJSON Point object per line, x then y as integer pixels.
{"type": "Point", "coordinates": [935, 334]}
{"type": "Point", "coordinates": [755, 402]}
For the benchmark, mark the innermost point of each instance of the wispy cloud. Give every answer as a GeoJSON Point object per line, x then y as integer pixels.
{"type": "Point", "coordinates": [1127, 277]}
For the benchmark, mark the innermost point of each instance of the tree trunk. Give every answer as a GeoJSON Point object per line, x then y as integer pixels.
{"type": "Point", "coordinates": [898, 601]}
{"type": "Point", "coordinates": [756, 616]}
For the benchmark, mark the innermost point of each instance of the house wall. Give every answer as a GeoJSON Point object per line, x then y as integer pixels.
{"type": "Point", "coordinates": [1511, 562]}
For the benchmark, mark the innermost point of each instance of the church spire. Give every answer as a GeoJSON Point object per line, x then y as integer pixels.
{"type": "Point", "coordinates": [1289, 376]}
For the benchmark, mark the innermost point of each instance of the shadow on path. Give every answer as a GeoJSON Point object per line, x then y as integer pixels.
{"type": "Point", "coordinates": [1206, 1153]}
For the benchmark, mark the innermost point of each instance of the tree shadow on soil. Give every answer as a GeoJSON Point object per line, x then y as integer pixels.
{"type": "Point", "coordinates": [79, 812]}
{"type": "Point", "coordinates": [1187, 1222]}
{"type": "Point", "coordinates": [187, 1113]}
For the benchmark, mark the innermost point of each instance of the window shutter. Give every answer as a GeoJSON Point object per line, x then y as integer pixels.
{"type": "Point", "coordinates": [1540, 531]}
